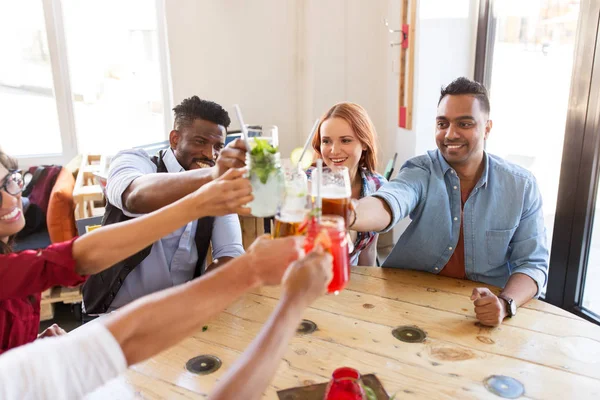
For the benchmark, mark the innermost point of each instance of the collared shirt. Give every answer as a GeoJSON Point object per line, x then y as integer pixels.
{"type": "Point", "coordinates": [62, 367]}
{"type": "Point", "coordinates": [371, 182]}
{"type": "Point", "coordinates": [172, 260]}
{"type": "Point", "coordinates": [503, 223]}
{"type": "Point", "coordinates": [24, 276]}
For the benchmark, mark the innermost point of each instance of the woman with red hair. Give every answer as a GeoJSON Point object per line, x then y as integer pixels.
{"type": "Point", "coordinates": [346, 137]}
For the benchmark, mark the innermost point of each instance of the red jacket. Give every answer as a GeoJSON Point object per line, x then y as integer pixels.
{"type": "Point", "coordinates": [23, 277]}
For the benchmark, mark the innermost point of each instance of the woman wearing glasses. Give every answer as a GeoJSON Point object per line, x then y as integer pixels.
{"type": "Point", "coordinates": [24, 275]}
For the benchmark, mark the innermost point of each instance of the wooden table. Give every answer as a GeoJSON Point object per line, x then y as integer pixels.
{"type": "Point", "coordinates": [554, 354]}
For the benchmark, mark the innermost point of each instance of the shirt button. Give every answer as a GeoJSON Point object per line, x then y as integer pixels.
{"type": "Point", "coordinates": [456, 219]}
{"type": "Point", "coordinates": [450, 248]}
{"type": "Point", "coordinates": [455, 187]}
{"type": "Point", "coordinates": [436, 268]}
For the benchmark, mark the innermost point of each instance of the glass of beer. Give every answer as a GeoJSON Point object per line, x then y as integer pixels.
{"type": "Point", "coordinates": [336, 192]}
{"type": "Point", "coordinates": [330, 233]}
{"type": "Point", "coordinates": [289, 224]}
{"type": "Point", "coordinates": [290, 219]}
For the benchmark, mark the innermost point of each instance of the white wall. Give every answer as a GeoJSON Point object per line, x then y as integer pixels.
{"type": "Point", "coordinates": [446, 50]}
{"type": "Point", "coordinates": [284, 61]}
{"type": "Point", "coordinates": [233, 51]}
{"type": "Point", "coordinates": [287, 61]}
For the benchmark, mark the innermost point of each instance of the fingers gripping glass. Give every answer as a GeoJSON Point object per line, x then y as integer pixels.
{"type": "Point", "coordinates": [13, 184]}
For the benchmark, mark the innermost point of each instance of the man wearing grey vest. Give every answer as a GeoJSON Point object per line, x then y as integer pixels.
{"type": "Point", "coordinates": [139, 184]}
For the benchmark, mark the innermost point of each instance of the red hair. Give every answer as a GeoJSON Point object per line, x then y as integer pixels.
{"type": "Point", "coordinates": [361, 125]}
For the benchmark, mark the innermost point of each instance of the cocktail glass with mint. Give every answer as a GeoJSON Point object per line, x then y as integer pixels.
{"type": "Point", "coordinates": [266, 176]}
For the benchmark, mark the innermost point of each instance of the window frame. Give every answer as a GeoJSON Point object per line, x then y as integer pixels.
{"type": "Point", "coordinates": [57, 44]}
{"type": "Point", "coordinates": [580, 164]}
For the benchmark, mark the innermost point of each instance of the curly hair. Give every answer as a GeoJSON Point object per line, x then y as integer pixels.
{"type": "Point", "coordinates": [464, 85]}
{"type": "Point", "coordinates": [10, 164]}
{"type": "Point", "coordinates": [195, 108]}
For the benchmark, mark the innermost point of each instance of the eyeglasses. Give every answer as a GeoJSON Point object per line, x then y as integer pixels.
{"type": "Point", "coordinates": [13, 184]}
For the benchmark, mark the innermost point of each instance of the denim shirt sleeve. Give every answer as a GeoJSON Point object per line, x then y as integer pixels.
{"type": "Point", "coordinates": [403, 193]}
{"type": "Point", "coordinates": [530, 254]}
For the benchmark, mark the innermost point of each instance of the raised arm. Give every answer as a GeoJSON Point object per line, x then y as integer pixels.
{"type": "Point", "coordinates": [149, 192]}
{"type": "Point", "coordinates": [104, 247]}
{"type": "Point", "coordinates": [96, 353]}
{"type": "Point", "coordinates": [393, 201]}
{"type": "Point", "coordinates": [31, 272]}
{"type": "Point", "coordinates": [141, 334]}
{"type": "Point", "coordinates": [248, 378]}
{"type": "Point", "coordinates": [372, 214]}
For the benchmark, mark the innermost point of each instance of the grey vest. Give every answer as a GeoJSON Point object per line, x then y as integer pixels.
{"type": "Point", "coordinates": [100, 289]}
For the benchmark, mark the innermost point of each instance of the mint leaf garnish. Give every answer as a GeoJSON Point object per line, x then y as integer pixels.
{"type": "Point", "coordinates": [263, 160]}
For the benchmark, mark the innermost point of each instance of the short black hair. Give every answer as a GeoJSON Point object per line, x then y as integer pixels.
{"type": "Point", "coordinates": [464, 85]}
{"type": "Point", "coordinates": [195, 108]}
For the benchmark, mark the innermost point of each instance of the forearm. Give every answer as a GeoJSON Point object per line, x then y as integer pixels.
{"type": "Point", "coordinates": [521, 288]}
{"type": "Point", "coordinates": [182, 310]}
{"type": "Point", "coordinates": [372, 215]}
{"type": "Point", "coordinates": [102, 248]}
{"type": "Point", "coordinates": [150, 192]}
{"type": "Point", "coordinates": [254, 370]}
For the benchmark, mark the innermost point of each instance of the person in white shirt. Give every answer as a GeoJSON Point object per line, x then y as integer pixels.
{"type": "Point", "coordinates": [77, 363]}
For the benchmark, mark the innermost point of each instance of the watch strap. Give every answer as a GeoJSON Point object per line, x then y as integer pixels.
{"type": "Point", "coordinates": [509, 304]}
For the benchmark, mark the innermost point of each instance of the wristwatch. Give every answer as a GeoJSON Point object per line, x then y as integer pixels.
{"type": "Point", "coordinates": [511, 305]}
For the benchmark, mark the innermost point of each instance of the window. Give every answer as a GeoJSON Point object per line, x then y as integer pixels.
{"type": "Point", "coordinates": [112, 48]}
{"type": "Point", "coordinates": [27, 96]}
{"type": "Point", "coordinates": [531, 64]}
{"type": "Point", "coordinates": [81, 77]}
{"type": "Point", "coordinates": [591, 297]}
{"type": "Point", "coordinates": [541, 61]}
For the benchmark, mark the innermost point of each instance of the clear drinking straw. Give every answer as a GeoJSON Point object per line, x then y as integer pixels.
{"type": "Point", "coordinates": [319, 199]}
{"type": "Point", "coordinates": [238, 112]}
{"type": "Point", "coordinates": [308, 141]}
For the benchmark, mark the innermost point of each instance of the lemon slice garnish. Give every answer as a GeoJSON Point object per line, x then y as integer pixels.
{"type": "Point", "coordinates": [306, 161]}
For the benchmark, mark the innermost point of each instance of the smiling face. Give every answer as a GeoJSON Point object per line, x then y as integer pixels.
{"type": "Point", "coordinates": [340, 145]}
{"type": "Point", "coordinates": [198, 144]}
{"type": "Point", "coordinates": [11, 209]}
{"type": "Point", "coordinates": [462, 128]}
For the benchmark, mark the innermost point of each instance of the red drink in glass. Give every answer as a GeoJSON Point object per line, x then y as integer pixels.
{"type": "Point", "coordinates": [344, 385]}
{"type": "Point", "coordinates": [331, 234]}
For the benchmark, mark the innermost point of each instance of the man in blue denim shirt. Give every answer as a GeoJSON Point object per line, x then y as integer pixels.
{"type": "Point", "coordinates": [474, 215]}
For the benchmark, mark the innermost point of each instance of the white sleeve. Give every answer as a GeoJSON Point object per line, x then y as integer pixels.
{"type": "Point", "coordinates": [64, 367]}
{"type": "Point", "coordinates": [126, 166]}
{"type": "Point", "coordinates": [227, 237]}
